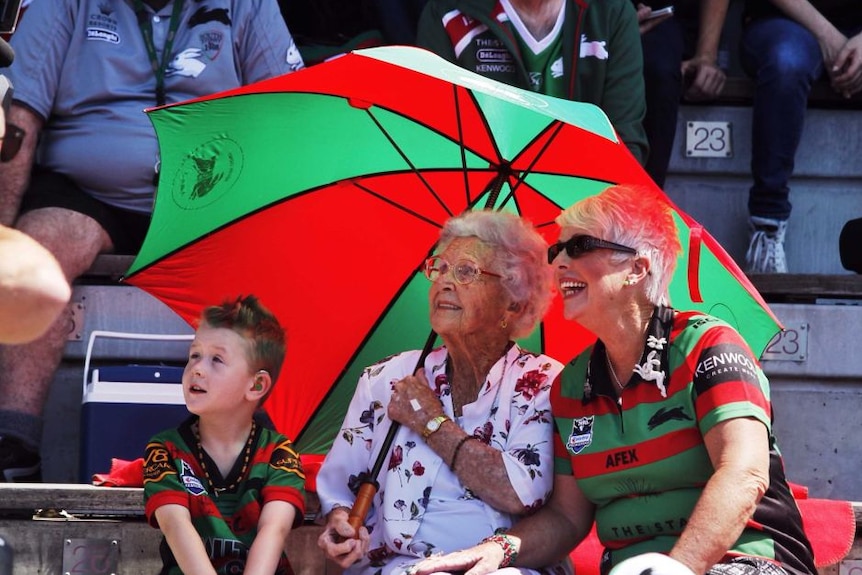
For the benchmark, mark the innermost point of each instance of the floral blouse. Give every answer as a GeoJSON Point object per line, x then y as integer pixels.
{"type": "Point", "coordinates": [511, 413]}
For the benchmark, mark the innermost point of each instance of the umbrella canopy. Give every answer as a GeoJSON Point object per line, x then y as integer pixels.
{"type": "Point", "coordinates": [323, 191]}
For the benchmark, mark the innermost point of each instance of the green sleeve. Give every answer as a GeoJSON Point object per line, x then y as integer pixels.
{"type": "Point", "coordinates": [431, 34]}
{"type": "Point", "coordinates": [624, 99]}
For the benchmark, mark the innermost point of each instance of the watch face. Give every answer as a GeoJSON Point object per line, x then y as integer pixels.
{"type": "Point", "coordinates": [434, 424]}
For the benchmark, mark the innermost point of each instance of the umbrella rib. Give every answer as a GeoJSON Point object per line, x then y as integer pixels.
{"type": "Point", "coordinates": [396, 205]}
{"type": "Point", "coordinates": [461, 145]}
{"type": "Point", "coordinates": [409, 163]}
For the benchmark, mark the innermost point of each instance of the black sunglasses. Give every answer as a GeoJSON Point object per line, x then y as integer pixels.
{"type": "Point", "coordinates": [11, 142]}
{"type": "Point", "coordinates": [576, 246]}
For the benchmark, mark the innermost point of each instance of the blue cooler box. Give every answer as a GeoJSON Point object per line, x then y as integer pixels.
{"type": "Point", "coordinates": [122, 408]}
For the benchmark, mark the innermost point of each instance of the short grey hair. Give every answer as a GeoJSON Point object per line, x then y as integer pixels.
{"type": "Point", "coordinates": [633, 216]}
{"type": "Point", "coordinates": [521, 254]}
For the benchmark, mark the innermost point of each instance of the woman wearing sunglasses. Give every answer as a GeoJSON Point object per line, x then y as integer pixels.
{"type": "Point", "coordinates": [474, 449]}
{"type": "Point", "coordinates": [663, 425]}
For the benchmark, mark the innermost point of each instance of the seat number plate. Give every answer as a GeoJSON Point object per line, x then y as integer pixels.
{"type": "Point", "coordinates": [708, 140]}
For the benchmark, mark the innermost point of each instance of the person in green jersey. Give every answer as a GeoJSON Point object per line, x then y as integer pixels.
{"type": "Point", "coordinates": [663, 425]}
{"type": "Point", "coordinates": [224, 488]}
{"type": "Point", "coordinates": [581, 50]}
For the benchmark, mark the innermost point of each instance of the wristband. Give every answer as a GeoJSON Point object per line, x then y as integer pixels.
{"type": "Point", "coordinates": [457, 449]}
{"type": "Point", "coordinates": [510, 553]}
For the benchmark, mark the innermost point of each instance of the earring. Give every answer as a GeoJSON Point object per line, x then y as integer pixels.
{"type": "Point", "coordinates": [629, 282]}
{"type": "Point", "coordinates": [504, 324]}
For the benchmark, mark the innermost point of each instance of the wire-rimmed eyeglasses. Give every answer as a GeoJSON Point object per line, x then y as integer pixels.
{"type": "Point", "coordinates": [464, 271]}
{"type": "Point", "coordinates": [576, 246]}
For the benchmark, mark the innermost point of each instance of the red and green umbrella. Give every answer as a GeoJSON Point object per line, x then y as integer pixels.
{"type": "Point", "coordinates": [323, 191]}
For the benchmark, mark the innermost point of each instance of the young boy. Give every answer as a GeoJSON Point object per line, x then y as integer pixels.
{"type": "Point", "coordinates": [224, 489]}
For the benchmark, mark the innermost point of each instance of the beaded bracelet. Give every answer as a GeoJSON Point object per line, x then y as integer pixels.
{"type": "Point", "coordinates": [510, 552]}
{"type": "Point", "coordinates": [457, 449]}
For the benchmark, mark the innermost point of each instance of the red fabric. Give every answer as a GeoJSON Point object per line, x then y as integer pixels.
{"type": "Point", "coordinates": [311, 463]}
{"type": "Point", "coordinates": [830, 526]}
{"type": "Point", "coordinates": [122, 474]}
{"type": "Point", "coordinates": [588, 554]}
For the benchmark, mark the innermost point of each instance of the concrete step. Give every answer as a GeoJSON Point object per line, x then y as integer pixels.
{"type": "Point", "coordinates": [58, 528]}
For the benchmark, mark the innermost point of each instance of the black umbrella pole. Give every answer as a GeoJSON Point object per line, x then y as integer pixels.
{"type": "Point", "coordinates": [369, 487]}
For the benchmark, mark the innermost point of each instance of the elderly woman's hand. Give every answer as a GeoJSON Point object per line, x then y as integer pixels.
{"type": "Point", "coordinates": [339, 540]}
{"type": "Point", "coordinates": [413, 404]}
{"type": "Point", "coordinates": [479, 560]}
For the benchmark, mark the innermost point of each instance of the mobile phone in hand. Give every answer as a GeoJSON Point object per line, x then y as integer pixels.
{"type": "Point", "coordinates": [657, 13]}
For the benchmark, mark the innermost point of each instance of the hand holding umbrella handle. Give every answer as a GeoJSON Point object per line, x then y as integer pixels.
{"type": "Point", "coordinates": [369, 486]}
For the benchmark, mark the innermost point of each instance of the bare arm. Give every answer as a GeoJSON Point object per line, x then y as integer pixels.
{"type": "Point", "coordinates": [15, 175]}
{"type": "Point", "coordinates": [739, 451]}
{"type": "Point", "coordinates": [707, 79]}
{"type": "Point", "coordinates": [540, 539]}
{"type": "Point", "coordinates": [273, 527]}
{"type": "Point", "coordinates": [33, 288]}
{"type": "Point", "coordinates": [184, 541]}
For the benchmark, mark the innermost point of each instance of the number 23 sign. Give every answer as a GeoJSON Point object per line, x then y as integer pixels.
{"type": "Point", "coordinates": [708, 140]}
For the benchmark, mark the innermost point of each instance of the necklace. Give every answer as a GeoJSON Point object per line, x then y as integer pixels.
{"type": "Point", "coordinates": [612, 372]}
{"type": "Point", "coordinates": [246, 457]}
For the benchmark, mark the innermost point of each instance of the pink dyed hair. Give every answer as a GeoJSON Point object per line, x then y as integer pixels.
{"type": "Point", "coordinates": [635, 216]}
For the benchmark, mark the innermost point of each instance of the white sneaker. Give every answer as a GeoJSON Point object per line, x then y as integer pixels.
{"type": "Point", "coordinates": [766, 251]}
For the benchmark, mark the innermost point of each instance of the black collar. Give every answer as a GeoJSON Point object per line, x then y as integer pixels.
{"type": "Point", "coordinates": [654, 362]}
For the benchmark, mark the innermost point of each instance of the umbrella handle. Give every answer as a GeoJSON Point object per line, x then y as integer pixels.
{"type": "Point", "coordinates": [369, 488]}
{"type": "Point", "coordinates": [360, 508]}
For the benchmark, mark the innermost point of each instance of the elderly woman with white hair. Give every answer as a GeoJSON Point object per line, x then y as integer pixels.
{"type": "Point", "coordinates": [664, 425]}
{"type": "Point", "coordinates": [474, 451]}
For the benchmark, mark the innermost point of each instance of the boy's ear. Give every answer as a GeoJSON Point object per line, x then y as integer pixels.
{"type": "Point", "coordinates": [261, 384]}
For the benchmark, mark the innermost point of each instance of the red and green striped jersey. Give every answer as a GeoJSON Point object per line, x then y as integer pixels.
{"type": "Point", "coordinates": [642, 459]}
{"type": "Point", "coordinates": [227, 523]}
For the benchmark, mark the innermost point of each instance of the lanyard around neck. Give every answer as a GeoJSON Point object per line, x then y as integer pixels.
{"type": "Point", "coordinates": [146, 25]}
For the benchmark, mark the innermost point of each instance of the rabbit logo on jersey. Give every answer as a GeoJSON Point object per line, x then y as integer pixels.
{"type": "Point", "coordinates": [582, 434]}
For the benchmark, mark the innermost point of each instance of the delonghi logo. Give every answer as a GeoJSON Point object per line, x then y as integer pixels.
{"type": "Point", "coordinates": [493, 55]}
{"type": "Point", "coordinates": [207, 173]}
{"type": "Point", "coordinates": [103, 35]}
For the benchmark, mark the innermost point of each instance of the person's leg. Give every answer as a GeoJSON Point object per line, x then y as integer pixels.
{"type": "Point", "coordinates": [663, 51]}
{"type": "Point", "coordinates": [784, 59]}
{"type": "Point", "coordinates": [26, 371]}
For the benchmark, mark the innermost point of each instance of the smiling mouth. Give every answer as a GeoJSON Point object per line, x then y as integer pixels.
{"type": "Point", "coordinates": [197, 389]}
{"type": "Point", "coordinates": [571, 287]}
{"type": "Point", "coordinates": [450, 306]}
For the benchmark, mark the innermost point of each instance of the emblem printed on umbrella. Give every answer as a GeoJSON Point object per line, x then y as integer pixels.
{"type": "Point", "coordinates": [582, 434]}
{"type": "Point", "coordinates": [207, 173]}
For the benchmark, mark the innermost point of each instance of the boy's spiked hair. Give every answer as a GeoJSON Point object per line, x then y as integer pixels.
{"type": "Point", "coordinates": [249, 318]}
